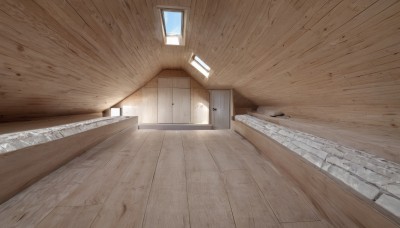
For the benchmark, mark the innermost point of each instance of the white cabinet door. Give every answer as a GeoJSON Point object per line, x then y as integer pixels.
{"type": "Point", "coordinates": [174, 100]}
{"type": "Point", "coordinates": [220, 108]}
{"type": "Point", "coordinates": [183, 83]}
{"type": "Point", "coordinates": [165, 82]}
{"type": "Point", "coordinates": [149, 104]}
{"type": "Point", "coordinates": [164, 105]}
{"type": "Point", "coordinates": [181, 105]}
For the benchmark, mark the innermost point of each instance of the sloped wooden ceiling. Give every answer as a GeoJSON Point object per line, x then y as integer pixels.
{"type": "Point", "coordinates": [77, 56]}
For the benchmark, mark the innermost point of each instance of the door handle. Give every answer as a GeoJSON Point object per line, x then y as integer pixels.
{"type": "Point", "coordinates": [214, 109]}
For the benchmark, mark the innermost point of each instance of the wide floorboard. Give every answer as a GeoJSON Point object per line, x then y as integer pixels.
{"type": "Point", "coordinates": [173, 179]}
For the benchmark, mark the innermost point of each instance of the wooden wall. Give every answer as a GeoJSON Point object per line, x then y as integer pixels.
{"type": "Point", "coordinates": [9, 127]}
{"type": "Point", "coordinates": [336, 60]}
{"type": "Point", "coordinates": [144, 101]}
{"type": "Point", "coordinates": [330, 60]}
{"type": "Point", "coordinates": [241, 105]}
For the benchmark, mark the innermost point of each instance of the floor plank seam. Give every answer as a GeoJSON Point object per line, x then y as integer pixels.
{"type": "Point", "coordinates": [317, 218]}
{"type": "Point", "coordinates": [223, 181]}
{"type": "Point", "coordinates": [187, 193]}
{"type": "Point", "coordinates": [132, 158]}
{"type": "Point", "coordinates": [152, 181]}
{"type": "Point", "coordinates": [266, 201]}
{"type": "Point", "coordinates": [92, 171]}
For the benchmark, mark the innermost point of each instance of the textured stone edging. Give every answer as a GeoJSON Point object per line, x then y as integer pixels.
{"type": "Point", "coordinates": [18, 140]}
{"type": "Point", "coordinates": [374, 177]}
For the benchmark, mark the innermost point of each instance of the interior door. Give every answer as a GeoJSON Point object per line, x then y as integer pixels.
{"type": "Point", "coordinates": [164, 105]}
{"type": "Point", "coordinates": [220, 108]}
{"type": "Point", "coordinates": [181, 105]}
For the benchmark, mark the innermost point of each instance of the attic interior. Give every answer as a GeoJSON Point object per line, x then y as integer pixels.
{"type": "Point", "coordinates": [190, 113]}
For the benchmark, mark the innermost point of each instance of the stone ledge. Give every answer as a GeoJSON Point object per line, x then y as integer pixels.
{"type": "Point", "coordinates": [18, 140]}
{"type": "Point", "coordinates": [373, 177]}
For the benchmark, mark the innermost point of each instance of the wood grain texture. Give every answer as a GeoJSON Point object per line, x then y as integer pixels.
{"type": "Point", "coordinates": [241, 105]}
{"type": "Point", "coordinates": [125, 207]}
{"type": "Point", "coordinates": [44, 122]}
{"type": "Point", "coordinates": [335, 60]}
{"type": "Point", "coordinates": [339, 205]}
{"type": "Point", "coordinates": [168, 201]}
{"type": "Point", "coordinates": [161, 179]}
{"type": "Point", "coordinates": [21, 168]}
{"type": "Point", "coordinates": [28, 208]}
{"type": "Point", "coordinates": [288, 204]}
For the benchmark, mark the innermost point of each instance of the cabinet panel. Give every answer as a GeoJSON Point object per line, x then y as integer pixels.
{"type": "Point", "coordinates": [181, 105]}
{"type": "Point", "coordinates": [182, 83]}
{"type": "Point", "coordinates": [165, 82]}
{"type": "Point", "coordinates": [164, 105]}
{"type": "Point", "coordinates": [200, 99]}
{"type": "Point", "coordinates": [149, 104]}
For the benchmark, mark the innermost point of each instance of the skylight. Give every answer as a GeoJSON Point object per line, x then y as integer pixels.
{"type": "Point", "coordinates": [173, 26]}
{"type": "Point", "coordinates": [200, 65]}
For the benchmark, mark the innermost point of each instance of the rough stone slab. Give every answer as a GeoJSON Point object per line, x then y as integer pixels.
{"type": "Point", "coordinates": [315, 160]}
{"type": "Point", "coordinates": [18, 140]}
{"type": "Point", "coordinates": [393, 188]}
{"type": "Point", "coordinates": [321, 154]}
{"type": "Point", "coordinates": [354, 182]}
{"type": "Point", "coordinates": [389, 203]}
{"type": "Point", "coordinates": [364, 172]}
{"type": "Point", "coordinates": [361, 171]}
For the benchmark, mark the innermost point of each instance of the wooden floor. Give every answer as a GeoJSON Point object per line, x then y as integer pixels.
{"type": "Point", "coordinates": [164, 179]}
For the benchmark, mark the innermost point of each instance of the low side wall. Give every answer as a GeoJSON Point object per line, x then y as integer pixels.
{"type": "Point", "coordinates": [26, 157]}
{"type": "Point", "coordinates": [335, 201]}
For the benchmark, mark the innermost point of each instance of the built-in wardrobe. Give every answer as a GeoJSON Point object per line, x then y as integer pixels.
{"type": "Point", "coordinates": [173, 100]}
{"type": "Point", "coordinates": [170, 97]}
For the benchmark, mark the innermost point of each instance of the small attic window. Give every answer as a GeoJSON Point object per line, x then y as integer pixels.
{"type": "Point", "coordinates": [173, 26]}
{"type": "Point", "coordinates": [200, 65]}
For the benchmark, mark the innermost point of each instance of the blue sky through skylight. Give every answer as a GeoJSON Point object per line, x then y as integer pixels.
{"type": "Point", "coordinates": [173, 23]}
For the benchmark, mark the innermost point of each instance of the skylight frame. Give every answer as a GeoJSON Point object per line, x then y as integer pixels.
{"type": "Point", "coordinates": [181, 38]}
{"type": "Point", "coordinates": [200, 65]}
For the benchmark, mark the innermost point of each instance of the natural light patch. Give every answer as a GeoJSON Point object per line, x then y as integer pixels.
{"type": "Point", "coordinates": [172, 40]}
{"type": "Point", "coordinates": [200, 65]}
{"type": "Point", "coordinates": [115, 112]}
{"type": "Point", "coordinates": [173, 24]}
{"type": "Point", "coordinates": [203, 64]}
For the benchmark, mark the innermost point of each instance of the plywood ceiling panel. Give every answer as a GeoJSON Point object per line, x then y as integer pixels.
{"type": "Point", "coordinates": [74, 56]}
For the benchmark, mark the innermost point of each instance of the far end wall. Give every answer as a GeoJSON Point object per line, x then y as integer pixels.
{"type": "Point", "coordinates": [143, 102]}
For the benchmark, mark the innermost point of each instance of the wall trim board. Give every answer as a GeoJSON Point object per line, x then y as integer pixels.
{"type": "Point", "coordinates": [337, 203]}
{"type": "Point", "coordinates": [21, 168]}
